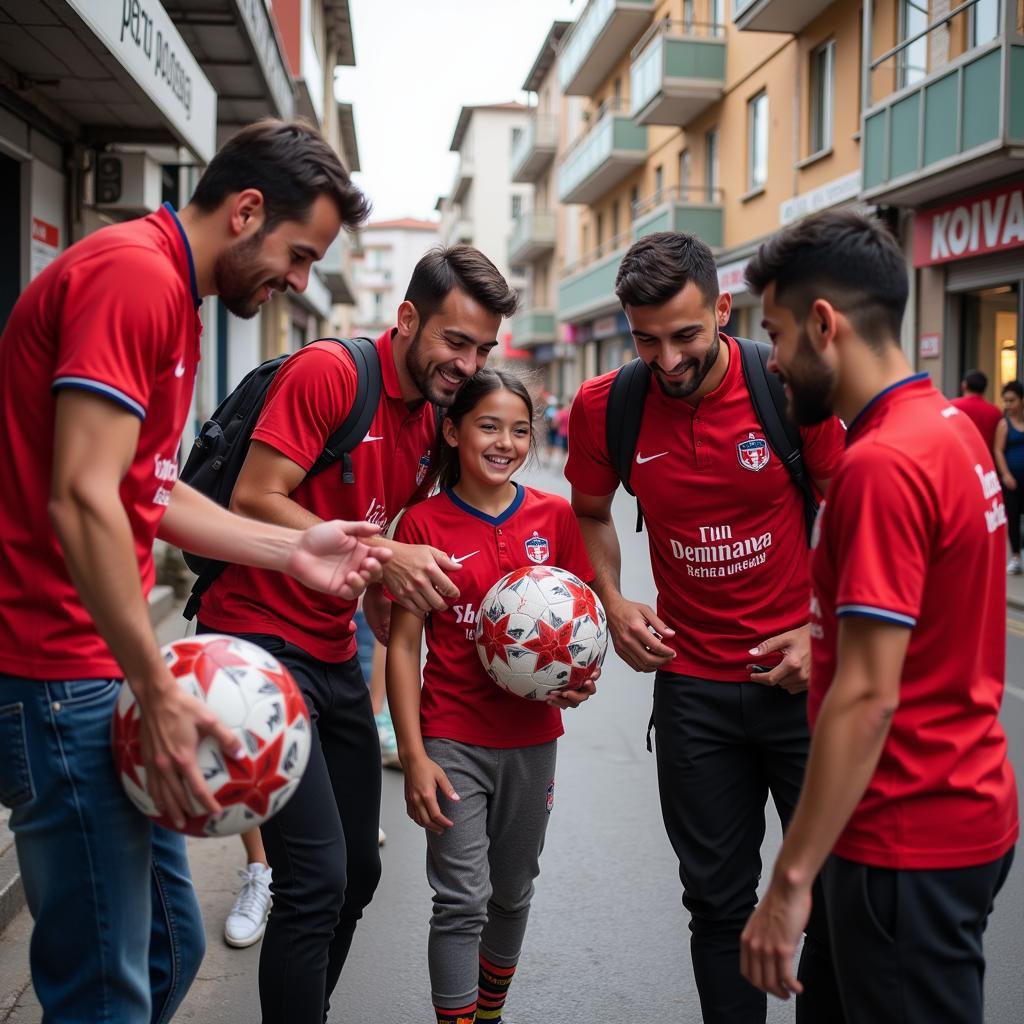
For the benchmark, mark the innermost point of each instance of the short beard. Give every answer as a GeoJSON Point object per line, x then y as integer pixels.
{"type": "Point", "coordinates": [234, 279]}
{"type": "Point", "coordinates": [686, 388]}
{"type": "Point", "coordinates": [421, 378]}
{"type": "Point", "coordinates": [812, 385]}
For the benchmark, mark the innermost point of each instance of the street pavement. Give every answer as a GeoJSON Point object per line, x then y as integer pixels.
{"type": "Point", "coordinates": [607, 941]}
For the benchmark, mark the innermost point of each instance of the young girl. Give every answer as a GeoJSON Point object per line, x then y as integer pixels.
{"type": "Point", "coordinates": [479, 762]}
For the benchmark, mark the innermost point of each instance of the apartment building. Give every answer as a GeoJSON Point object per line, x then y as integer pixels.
{"type": "Point", "coordinates": [389, 250]}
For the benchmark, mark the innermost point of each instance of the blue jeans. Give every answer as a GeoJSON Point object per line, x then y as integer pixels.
{"type": "Point", "coordinates": [118, 935]}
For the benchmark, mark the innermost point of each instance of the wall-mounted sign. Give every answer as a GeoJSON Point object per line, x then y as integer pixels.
{"type": "Point", "coordinates": [989, 221]}
{"type": "Point", "coordinates": [830, 194]}
{"type": "Point", "coordinates": [929, 346]}
{"type": "Point", "coordinates": [730, 277]}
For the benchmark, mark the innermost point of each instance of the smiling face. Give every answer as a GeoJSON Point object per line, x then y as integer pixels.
{"type": "Point", "coordinates": [492, 438]}
{"type": "Point", "coordinates": [679, 340]}
{"type": "Point", "coordinates": [249, 272]}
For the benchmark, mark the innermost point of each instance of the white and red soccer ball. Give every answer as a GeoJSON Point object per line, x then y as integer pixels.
{"type": "Point", "coordinates": [540, 628]}
{"type": "Point", "coordinates": [256, 697]}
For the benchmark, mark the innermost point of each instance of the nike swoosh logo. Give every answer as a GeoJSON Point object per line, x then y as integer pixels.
{"type": "Point", "coordinates": [641, 459]}
{"type": "Point", "coordinates": [369, 438]}
{"type": "Point", "coordinates": [461, 559]}
{"type": "Point", "coordinates": [179, 370]}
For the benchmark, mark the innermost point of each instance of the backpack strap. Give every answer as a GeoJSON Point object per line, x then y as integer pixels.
{"type": "Point", "coordinates": [782, 434]}
{"type": "Point", "coordinates": [357, 423]}
{"type": "Point", "coordinates": [622, 422]}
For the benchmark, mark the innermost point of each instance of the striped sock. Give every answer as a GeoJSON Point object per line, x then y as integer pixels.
{"type": "Point", "coordinates": [494, 983]}
{"type": "Point", "coordinates": [462, 1015]}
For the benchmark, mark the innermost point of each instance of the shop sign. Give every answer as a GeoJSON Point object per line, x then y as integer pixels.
{"type": "Point", "coordinates": [990, 221]}
{"type": "Point", "coordinates": [45, 245]}
{"type": "Point", "coordinates": [605, 327]}
{"type": "Point", "coordinates": [142, 37]}
{"type": "Point", "coordinates": [839, 190]}
{"type": "Point", "coordinates": [730, 277]}
{"type": "Point", "coordinates": [929, 346]}
{"type": "Point", "coordinates": [264, 41]}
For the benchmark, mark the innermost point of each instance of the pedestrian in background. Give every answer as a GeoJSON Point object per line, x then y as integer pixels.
{"type": "Point", "coordinates": [1008, 449]}
{"type": "Point", "coordinates": [729, 642]}
{"type": "Point", "coordinates": [909, 805]}
{"type": "Point", "coordinates": [97, 364]}
{"type": "Point", "coordinates": [973, 404]}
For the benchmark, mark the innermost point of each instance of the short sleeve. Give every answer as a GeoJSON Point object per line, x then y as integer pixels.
{"type": "Point", "coordinates": [572, 551]}
{"type": "Point", "coordinates": [310, 397]}
{"type": "Point", "coordinates": [823, 446]}
{"type": "Point", "coordinates": [588, 467]}
{"type": "Point", "coordinates": [115, 335]}
{"type": "Point", "coordinates": [879, 521]}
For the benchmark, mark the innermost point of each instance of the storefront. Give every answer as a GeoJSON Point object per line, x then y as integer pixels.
{"type": "Point", "coordinates": [969, 258]}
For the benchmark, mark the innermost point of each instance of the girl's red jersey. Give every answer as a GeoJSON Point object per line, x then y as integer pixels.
{"type": "Point", "coordinates": [459, 700]}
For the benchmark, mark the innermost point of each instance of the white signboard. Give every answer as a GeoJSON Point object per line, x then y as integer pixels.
{"type": "Point", "coordinates": [264, 41]}
{"type": "Point", "coordinates": [730, 277]}
{"type": "Point", "coordinates": [830, 194]}
{"type": "Point", "coordinates": [142, 37]}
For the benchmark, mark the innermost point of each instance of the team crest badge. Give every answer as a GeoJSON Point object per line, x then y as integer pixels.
{"type": "Point", "coordinates": [753, 453]}
{"type": "Point", "coordinates": [423, 468]}
{"type": "Point", "coordinates": [537, 549]}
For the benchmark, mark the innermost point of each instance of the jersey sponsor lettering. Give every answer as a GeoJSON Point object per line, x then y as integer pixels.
{"type": "Point", "coordinates": [725, 558]}
{"type": "Point", "coordinates": [377, 513]}
{"type": "Point", "coordinates": [995, 514]}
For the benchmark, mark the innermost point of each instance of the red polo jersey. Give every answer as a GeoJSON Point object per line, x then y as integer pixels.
{"type": "Point", "coordinates": [114, 315]}
{"type": "Point", "coordinates": [459, 700]}
{"type": "Point", "coordinates": [914, 534]}
{"type": "Point", "coordinates": [725, 521]}
{"type": "Point", "coordinates": [308, 400]}
{"type": "Point", "coordinates": [984, 415]}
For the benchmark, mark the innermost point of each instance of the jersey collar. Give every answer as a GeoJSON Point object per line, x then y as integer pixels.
{"type": "Point", "coordinates": [879, 402]}
{"type": "Point", "coordinates": [172, 213]}
{"type": "Point", "coordinates": [388, 373]}
{"type": "Point", "coordinates": [483, 516]}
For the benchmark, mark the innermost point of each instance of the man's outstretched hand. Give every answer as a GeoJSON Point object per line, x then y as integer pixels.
{"type": "Point", "coordinates": [334, 558]}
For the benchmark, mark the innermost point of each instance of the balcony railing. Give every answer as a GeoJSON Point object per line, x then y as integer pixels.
{"type": "Point", "coordinates": [588, 285]}
{"type": "Point", "coordinates": [533, 327]}
{"type": "Point", "coordinates": [535, 148]}
{"type": "Point", "coordinates": [463, 179]}
{"type": "Point", "coordinates": [598, 38]}
{"type": "Point", "coordinates": [600, 159]}
{"type": "Point", "coordinates": [533, 236]}
{"type": "Point", "coordinates": [688, 210]}
{"type": "Point", "coordinates": [934, 128]}
{"type": "Point", "coordinates": [776, 15]}
{"type": "Point", "coordinates": [678, 71]}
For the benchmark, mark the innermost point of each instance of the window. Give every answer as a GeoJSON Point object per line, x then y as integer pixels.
{"type": "Point", "coordinates": [718, 16]}
{"type": "Point", "coordinates": [517, 207]}
{"type": "Point", "coordinates": [659, 181]}
{"type": "Point", "coordinates": [757, 141]}
{"type": "Point", "coordinates": [615, 220]}
{"type": "Point", "coordinates": [634, 198]}
{"type": "Point", "coordinates": [378, 307]}
{"type": "Point", "coordinates": [600, 229]}
{"type": "Point", "coordinates": [688, 15]}
{"type": "Point", "coordinates": [984, 22]}
{"type": "Point", "coordinates": [517, 134]}
{"type": "Point", "coordinates": [912, 60]}
{"type": "Point", "coordinates": [617, 101]}
{"type": "Point", "coordinates": [823, 76]}
{"type": "Point", "coordinates": [711, 165]}
{"type": "Point", "coordinates": [684, 173]}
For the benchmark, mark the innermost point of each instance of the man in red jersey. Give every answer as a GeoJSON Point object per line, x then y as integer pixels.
{"type": "Point", "coordinates": [97, 364]}
{"type": "Point", "coordinates": [909, 809]}
{"type": "Point", "coordinates": [323, 847]}
{"type": "Point", "coordinates": [729, 641]}
{"type": "Point", "coordinates": [973, 404]}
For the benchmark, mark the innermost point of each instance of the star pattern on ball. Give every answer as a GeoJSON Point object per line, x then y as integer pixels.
{"type": "Point", "coordinates": [128, 742]}
{"type": "Point", "coordinates": [252, 780]}
{"type": "Point", "coordinates": [493, 638]}
{"type": "Point", "coordinates": [584, 600]}
{"type": "Point", "coordinates": [536, 572]}
{"type": "Point", "coordinates": [204, 660]}
{"type": "Point", "coordinates": [578, 675]}
{"type": "Point", "coordinates": [551, 644]}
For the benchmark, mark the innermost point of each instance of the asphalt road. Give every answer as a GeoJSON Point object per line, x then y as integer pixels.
{"type": "Point", "coordinates": [607, 941]}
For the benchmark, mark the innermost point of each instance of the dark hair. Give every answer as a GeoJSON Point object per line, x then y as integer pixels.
{"type": "Point", "coordinates": [1015, 387]}
{"type": "Point", "coordinates": [843, 257]}
{"type": "Point", "coordinates": [976, 381]}
{"type": "Point", "coordinates": [291, 164]}
{"type": "Point", "coordinates": [483, 383]}
{"type": "Point", "coordinates": [661, 265]}
{"type": "Point", "coordinates": [459, 266]}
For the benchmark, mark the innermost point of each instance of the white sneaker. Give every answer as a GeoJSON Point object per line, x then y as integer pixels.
{"type": "Point", "coordinates": [381, 837]}
{"type": "Point", "coordinates": [1014, 567]}
{"type": "Point", "coordinates": [248, 917]}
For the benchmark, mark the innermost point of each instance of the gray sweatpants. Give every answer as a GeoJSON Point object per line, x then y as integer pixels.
{"type": "Point", "coordinates": [482, 868]}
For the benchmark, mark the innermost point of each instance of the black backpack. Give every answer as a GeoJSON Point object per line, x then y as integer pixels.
{"type": "Point", "coordinates": [216, 458]}
{"type": "Point", "coordinates": [626, 410]}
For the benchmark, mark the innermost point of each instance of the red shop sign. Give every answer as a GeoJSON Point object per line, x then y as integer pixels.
{"type": "Point", "coordinates": [986, 222]}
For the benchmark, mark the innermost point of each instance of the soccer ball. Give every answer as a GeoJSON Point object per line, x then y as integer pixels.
{"type": "Point", "coordinates": [256, 697]}
{"type": "Point", "coordinates": [540, 628]}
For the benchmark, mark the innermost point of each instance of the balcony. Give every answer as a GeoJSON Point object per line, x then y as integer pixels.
{"type": "Point", "coordinates": [598, 38]}
{"type": "Point", "coordinates": [678, 71]}
{"type": "Point", "coordinates": [336, 270]}
{"type": "Point", "coordinates": [776, 15]}
{"type": "Point", "coordinates": [689, 211]}
{"type": "Point", "coordinates": [533, 327]}
{"type": "Point", "coordinates": [588, 289]}
{"type": "Point", "coordinates": [535, 149]}
{"type": "Point", "coordinates": [533, 236]}
{"type": "Point", "coordinates": [463, 179]}
{"type": "Point", "coordinates": [601, 158]}
{"type": "Point", "coordinates": [960, 126]}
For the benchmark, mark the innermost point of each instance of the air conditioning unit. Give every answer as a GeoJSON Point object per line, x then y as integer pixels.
{"type": "Point", "coordinates": [127, 181]}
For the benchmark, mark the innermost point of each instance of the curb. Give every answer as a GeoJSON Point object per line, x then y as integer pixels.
{"type": "Point", "coordinates": [12, 893]}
